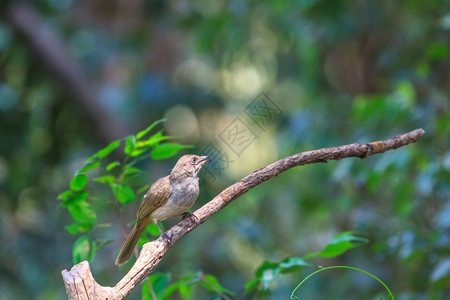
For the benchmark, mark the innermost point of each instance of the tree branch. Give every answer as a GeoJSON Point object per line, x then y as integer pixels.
{"type": "Point", "coordinates": [81, 285]}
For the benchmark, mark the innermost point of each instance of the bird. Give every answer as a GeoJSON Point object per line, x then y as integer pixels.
{"type": "Point", "coordinates": [169, 197]}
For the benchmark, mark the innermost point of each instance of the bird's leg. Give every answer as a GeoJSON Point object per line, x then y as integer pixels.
{"type": "Point", "coordinates": [190, 216]}
{"type": "Point", "coordinates": [162, 233]}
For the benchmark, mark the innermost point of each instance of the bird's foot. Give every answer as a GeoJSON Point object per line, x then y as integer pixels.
{"type": "Point", "coordinates": [163, 234]}
{"type": "Point", "coordinates": [166, 237]}
{"type": "Point", "coordinates": [191, 217]}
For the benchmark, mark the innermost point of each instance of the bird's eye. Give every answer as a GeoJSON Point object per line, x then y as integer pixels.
{"type": "Point", "coordinates": [194, 160]}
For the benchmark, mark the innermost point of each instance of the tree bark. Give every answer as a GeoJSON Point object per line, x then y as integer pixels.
{"type": "Point", "coordinates": [80, 283]}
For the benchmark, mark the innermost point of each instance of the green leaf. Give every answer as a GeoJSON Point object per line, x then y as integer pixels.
{"type": "Point", "coordinates": [168, 150]}
{"type": "Point", "coordinates": [144, 239]}
{"type": "Point", "coordinates": [252, 285]}
{"type": "Point", "coordinates": [138, 152]}
{"type": "Point", "coordinates": [341, 243]}
{"type": "Point", "coordinates": [145, 291]}
{"type": "Point", "coordinates": [112, 165]}
{"type": "Point", "coordinates": [105, 179]}
{"type": "Point", "coordinates": [153, 230]}
{"type": "Point", "coordinates": [75, 199]}
{"type": "Point", "coordinates": [211, 283]}
{"type": "Point", "coordinates": [186, 284]}
{"type": "Point", "coordinates": [108, 149]}
{"type": "Point", "coordinates": [132, 170]}
{"type": "Point", "coordinates": [124, 193]}
{"type": "Point", "coordinates": [267, 273]}
{"type": "Point", "coordinates": [91, 158]}
{"type": "Point", "coordinates": [75, 228]}
{"type": "Point", "coordinates": [83, 249]}
{"type": "Point", "coordinates": [153, 140]}
{"type": "Point", "coordinates": [130, 144]}
{"type": "Point", "coordinates": [186, 291]}
{"type": "Point", "coordinates": [83, 213]}
{"type": "Point", "coordinates": [170, 290]}
{"type": "Point", "coordinates": [78, 182]}
{"type": "Point", "coordinates": [146, 130]}
{"type": "Point", "coordinates": [65, 195]}
{"type": "Point", "coordinates": [144, 146]}
{"type": "Point", "coordinates": [159, 282]}
{"type": "Point", "coordinates": [293, 264]}
{"type": "Point", "coordinates": [89, 167]}
{"type": "Point", "coordinates": [130, 173]}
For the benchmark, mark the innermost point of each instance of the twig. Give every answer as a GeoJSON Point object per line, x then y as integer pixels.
{"type": "Point", "coordinates": [151, 289]}
{"type": "Point", "coordinates": [81, 285]}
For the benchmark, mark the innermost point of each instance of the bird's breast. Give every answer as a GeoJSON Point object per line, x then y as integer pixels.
{"type": "Point", "coordinates": [183, 196]}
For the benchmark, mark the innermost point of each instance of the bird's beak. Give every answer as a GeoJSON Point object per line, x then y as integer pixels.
{"type": "Point", "coordinates": [204, 159]}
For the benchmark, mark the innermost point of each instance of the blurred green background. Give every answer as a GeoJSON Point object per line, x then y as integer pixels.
{"type": "Point", "coordinates": [75, 75]}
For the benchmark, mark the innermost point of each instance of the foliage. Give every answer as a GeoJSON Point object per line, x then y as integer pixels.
{"type": "Point", "coordinates": [159, 285]}
{"type": "Point", "coordinates": [269, 271]}
{"type": "Point", "coordinates": [118, 176]}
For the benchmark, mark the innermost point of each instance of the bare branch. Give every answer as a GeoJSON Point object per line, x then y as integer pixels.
{"type": "Point", "coordinates": [81, 285]}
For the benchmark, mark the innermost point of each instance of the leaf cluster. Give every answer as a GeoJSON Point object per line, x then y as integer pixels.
{"type": "Point", "coordinates": [118, 176]}
{"type": "Point", "coordinates": [159, 285]}
{"type": "Point", "coordinates": [269, 271]}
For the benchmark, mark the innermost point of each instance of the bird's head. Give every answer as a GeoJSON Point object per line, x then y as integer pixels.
{"type": "Point", "coordinates": [189, 165]}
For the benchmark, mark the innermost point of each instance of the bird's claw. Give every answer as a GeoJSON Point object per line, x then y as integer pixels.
{"type": "Point", "coordinates": [166, 237]}
{"type": "Point", "coordinates": [191, 217]}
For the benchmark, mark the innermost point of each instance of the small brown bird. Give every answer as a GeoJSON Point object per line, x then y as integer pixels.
{"type": "Point", "coordinates": [167, 198]}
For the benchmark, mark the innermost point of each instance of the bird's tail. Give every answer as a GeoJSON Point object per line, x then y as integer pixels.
{"type": "Point", "coordinates": [130, 243]}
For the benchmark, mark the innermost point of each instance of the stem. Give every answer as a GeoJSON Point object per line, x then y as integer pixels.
{"type": "Point", "coordinates": [151, 289]}
{"type": "Point", "coordinates": [341, 267]}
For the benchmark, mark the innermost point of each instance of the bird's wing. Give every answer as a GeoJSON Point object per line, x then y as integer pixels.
{"type": "Point", "coordinates": [157, 195]}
